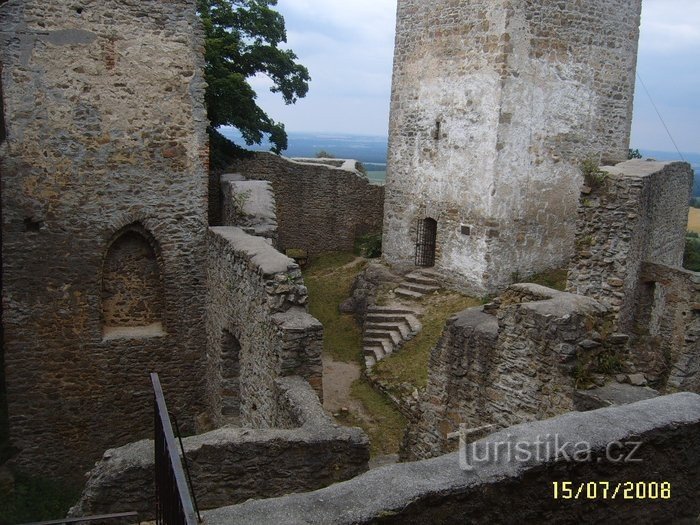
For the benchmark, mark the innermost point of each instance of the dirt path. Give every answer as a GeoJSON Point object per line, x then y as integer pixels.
{"type": "Point", "coordinates": [337, 378]}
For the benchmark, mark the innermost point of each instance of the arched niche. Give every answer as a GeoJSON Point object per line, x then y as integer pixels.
{"type": "Point", "coordinates": [133, 298]}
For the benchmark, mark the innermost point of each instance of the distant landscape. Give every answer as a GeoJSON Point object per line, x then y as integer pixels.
{"type": "Point", "coordinates": [372, 150]}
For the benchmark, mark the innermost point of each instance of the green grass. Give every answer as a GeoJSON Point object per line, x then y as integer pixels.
{"type": "Point", "coordinates": [551, 279]}
{"type": "Point", "coordinates": [691, 257]}
{"type": "Point", "coordinates": [36, 499]}
{"type": "Point", "coordinates": [329, 284]}
{"type": "Point", "coordinates": [410, 363]}
{"type": "Point", "coordinates": [386, 426]}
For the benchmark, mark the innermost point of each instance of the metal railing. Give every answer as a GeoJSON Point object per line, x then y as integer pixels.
{"type": "Point", "coordinates": [88, 519]}
{"type": "Point", "coordinates": [173, 501]}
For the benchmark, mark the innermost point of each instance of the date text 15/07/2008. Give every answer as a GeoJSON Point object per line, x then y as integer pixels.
{"type": "Point", "coordinates": [612, 490]}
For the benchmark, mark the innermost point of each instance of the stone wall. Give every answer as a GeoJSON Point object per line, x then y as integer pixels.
{"type": "Point", "coordinates": [250, 205]}
{"type": "Point", "coordinates": [503, 364]}
{"type": "Point", "coordinates": [320, 207]}
{"type": "Point", "coordinates": [257, 295]}
{"type": "Point", "coordinates": [667, 345]}
{"type": "Point", "coordinates": [494, 105]}
{"type": "Point", "coordinates": [231, 465]}
{"type": "Point", "coordinates": [629, 249]}
{"type": "Point", "coordinates": [508, 491]}
{"type": "Point", "coordinates": [104, 204]}
{"type": "Point", "coordinates": [638, 214]}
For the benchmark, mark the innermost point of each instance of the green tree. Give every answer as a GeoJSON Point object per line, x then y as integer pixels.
{"type": "Point", "coordinates": [242, 40]}
{"type": "Point", "coordinates": [633, 154]}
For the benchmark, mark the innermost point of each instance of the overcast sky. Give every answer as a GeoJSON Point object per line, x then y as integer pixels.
{"type": "Point", "coordinates": [348, 47]}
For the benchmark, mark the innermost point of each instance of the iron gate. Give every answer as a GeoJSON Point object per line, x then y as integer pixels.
{"type": "Point", "coordinates": [425, 242]}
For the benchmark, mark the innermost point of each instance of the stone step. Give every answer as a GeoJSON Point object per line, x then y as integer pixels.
{"type": "Point", "coordinates": [405, 292]}
{"type": "Point", "coordinates": [370, 361]}
{"type": "Point", "coordinates": [373, 342]}
{"type": "Point", "coordinates": [430, 273]}
{"type": "Point", "coordinates": [421, 278]}
{"type": "Point", "coordinates": [390, 335]}
{"type": "Point", "coordinates": [410, 319]}
{"type": "Point", "coordinates": [390, 310]}
{"type": "Point", "coordinates": [418, 287]}
{"type": "Point", "coordinates": [402, 327]}
{"type": "Point", "coordinates": [375, 352]}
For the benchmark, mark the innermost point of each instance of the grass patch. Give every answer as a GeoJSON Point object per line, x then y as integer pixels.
{"type": "Point", "coordinates": [410, 363]}
{"type": "Point", "coordinates": [551, 279]}
{"type": "Point", "coordinates": [386, 425]}
{"type": "Point", "coordinates": [37, 499]}
{"type": "Point", "coordinates": [329, 281]}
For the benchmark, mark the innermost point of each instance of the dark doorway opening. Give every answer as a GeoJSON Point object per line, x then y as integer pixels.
{"type": "Point", "coordinates": [425, 242]}
{"type": "Point", "coordinates": [230, 376]}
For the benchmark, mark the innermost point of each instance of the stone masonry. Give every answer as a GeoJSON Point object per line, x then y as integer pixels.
{"type": "Point", "coordinates": [231, 465]}
{"type": "Point", "coordinates": [320, 207]}
{"type": "Point", "coordinates": [104, 187]}
{"type": "Point", "coordinates": [505, 490]}
{"type": "Point", "coordinates": [508, 362]}
{"type": "Point", "coordinates": [629, 250]}
{"type": "Point", "coordinates": [494, 106]}
{"type": "Point", "coordinates": [257, 300]}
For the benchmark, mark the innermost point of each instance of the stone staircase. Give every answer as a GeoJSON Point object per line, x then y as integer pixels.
{"type": "Point", "coordinates": [386, 329]}
{"type": "Point", "coordinates": [418, 283]}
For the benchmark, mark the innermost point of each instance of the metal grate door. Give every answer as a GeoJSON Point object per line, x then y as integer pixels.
{"type": "Point", "coordinates": [425, 242]}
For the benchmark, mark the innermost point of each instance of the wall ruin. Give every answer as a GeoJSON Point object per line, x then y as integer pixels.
{"type": "Point", "coordinates": [231, 465]}
{"type": "Point", "coordinates": [257, 295]}
{"type": "Point", "coordinates": [504, 489]}
{"type": "Point", "coordinates": [102, 139]}
{"type": "Point", "coordinates": [629, 249]}
{"type": "Point", "coordinates": [493, 108]}
{"type": "Point", "coordinates": [503, 364]}
{"type": "Point", "coordinates": [320, 207]}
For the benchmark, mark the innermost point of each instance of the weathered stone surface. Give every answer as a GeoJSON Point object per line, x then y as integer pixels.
{"type": "Point", "coordinates": [500, 368]}
{"type": "Point", "coordinates": [629, 248]}
{"type": "Point", "coordinates": [320, 207]}
{"type": "Point", "coordinates": [438, 491]}
{"type": "Point", "coordinates": [231, 465]}
{"type": "Point", "coordinates": [250, 205]}
{"type": "Point", "coordinates": [257, 297]}
{"type": "Point", "coordinates": [104, 141]}
{"type": "Point", "coordinates": [494, 105]}
{"type": "Point", "coordinates": [611, 394]}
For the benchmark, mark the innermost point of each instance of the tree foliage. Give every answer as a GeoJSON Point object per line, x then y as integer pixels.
{"type": "Point", "coordinates": [633, 154]}
{"type": "Point", "coordinates": [242, 40]}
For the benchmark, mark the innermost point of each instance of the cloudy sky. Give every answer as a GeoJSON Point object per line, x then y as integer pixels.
{"type": "Point", "coordinates": [348, 44]}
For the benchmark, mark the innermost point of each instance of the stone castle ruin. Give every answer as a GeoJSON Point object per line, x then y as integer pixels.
{"type": "Point", "coordinates": [123, 253]}
{"type": "Point", "coordinates": [494, 105]}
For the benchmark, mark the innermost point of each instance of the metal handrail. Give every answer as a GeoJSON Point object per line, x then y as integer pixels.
{"type": "Point", "coordinates": [173, 501]}
{"type": "Point", "coordinates": [86, 518]}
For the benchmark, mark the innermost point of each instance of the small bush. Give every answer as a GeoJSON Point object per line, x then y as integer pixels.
{"type": "Point", "coordinates": [593, 176]}
{"type": "Point", "coordinates": [369, 245]}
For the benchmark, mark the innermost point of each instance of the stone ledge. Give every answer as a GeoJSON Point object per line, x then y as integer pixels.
{"type": "Point", "coordinates": [438, 491]}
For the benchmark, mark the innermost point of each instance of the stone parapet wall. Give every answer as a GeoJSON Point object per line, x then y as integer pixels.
{"type": "Point", "coordinates": [231, 465]}
{"type": "Point", "coordinates": [638, 214]}
{"type": "Point", "coordinates": [320, 207]}
{"type": "Point", "coordinates": [505, 363]}
{"type": "Point", "coordinates": [257, 295]}
{"type": "Point", "coordinates": [104, 210]}
{"type": "Point", "coordinates": [667, 345]}
{"type": "Point", "coordinates": [506, 490]}
{"type": "Point", "coordinates": [250, 205]}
